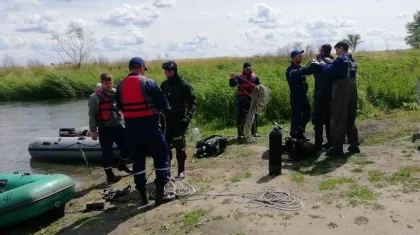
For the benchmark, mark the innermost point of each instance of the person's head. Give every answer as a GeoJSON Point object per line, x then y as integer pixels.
{"type": "Point", "coordinates": [137, 65]}
{"type": "Point", "coordinates": [247, 68]}
{"type": "Point", "coordinates": [106, 81]}
{"type": "Point", "coordinates": [170, 68]}
{"type": "Point", "coordinates": [341, 48]}
{"type": "Point", "coordinates": [296, 56]}
{"type": "Point", "coordinates": [325, 49]}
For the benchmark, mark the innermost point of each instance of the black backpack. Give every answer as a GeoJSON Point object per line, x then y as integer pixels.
{"type": "Point", "coordinates": [299, 149]}
{"type": "Point", "coordinates": [211, 146]}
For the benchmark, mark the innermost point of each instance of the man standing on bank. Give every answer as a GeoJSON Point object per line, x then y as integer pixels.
{"type": "Point", "coordinates": [105, 122]}
{"type": "Point", "coordinates": [343, 100]}
{"type": "Point", "coordinates": [301, 109]}
{"type": "Point", "coordinates": [182, 107]}
{"type": "Point", "coordinates": [322, 101]}
{"type": "Point", "coordinates": [141, 100]}
{"type": "Point", "coordinates": [246, 82]}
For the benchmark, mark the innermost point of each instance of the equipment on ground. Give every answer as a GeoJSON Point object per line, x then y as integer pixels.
{"type": "Point", "coordinates": [23, 196]}
{"type": "Point", "coordinates": [275, 148]}
{"type": "Point", "coordinates": [67, 149]}
{"type": "Point", "coordinates": [211, 146]}
{"type": "Point", "coordinates": [299, 149]}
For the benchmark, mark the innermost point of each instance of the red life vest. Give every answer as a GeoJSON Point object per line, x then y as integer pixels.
{"type": "Point", "coordinates": [106, 107]}
{"type": "Point", "coordinates": [247, 86]}
{"type": "Point", "coordinates": [136, 103]}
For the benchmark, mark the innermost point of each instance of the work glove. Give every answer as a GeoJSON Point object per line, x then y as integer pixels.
{"type": "Point", "coordinates": [185, 122]}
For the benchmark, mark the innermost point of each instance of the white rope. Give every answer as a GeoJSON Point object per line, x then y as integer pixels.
{"type": "Point", "coordinates": [260, 97]}
{"type": "Point", "coordinates": [270, 198]}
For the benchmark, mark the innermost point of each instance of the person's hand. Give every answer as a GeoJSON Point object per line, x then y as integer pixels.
{"type": "Point", "coordinates": [184, 123]}
{"type": "Point", "coordinates": [94, 135]}
{"type": "Point", "coordinates": [232, 75]}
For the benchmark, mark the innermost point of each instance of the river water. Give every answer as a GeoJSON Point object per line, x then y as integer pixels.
{"type": "Point", "coordinates": [21, 122]}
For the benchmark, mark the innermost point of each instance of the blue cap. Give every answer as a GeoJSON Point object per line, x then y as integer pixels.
{"type": "Point", "coordinates": [247, 65]}
{"type": "Point", "coordinates": [136, 61]}
{"type": "Point", "coordinates": [295, 53]}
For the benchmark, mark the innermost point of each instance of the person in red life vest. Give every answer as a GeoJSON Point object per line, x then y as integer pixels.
{"type": "Point", "coordinates": [246, 82]}
{"type": "Point", "coordinates": [182, 101]}
{"type": "Point", "coordinates": [105, 122]}
{"type": "Point", "coordinates": [141, 100]}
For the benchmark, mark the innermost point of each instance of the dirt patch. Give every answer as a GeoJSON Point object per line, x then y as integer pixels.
{"type": "Point", "coordinates": [373, 192]}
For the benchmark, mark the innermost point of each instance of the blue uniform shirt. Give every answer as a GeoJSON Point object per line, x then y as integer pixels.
{"type": "Point", "coordinates": [296, 77]}
{"type": "Point", "coordinates": [342, 67]}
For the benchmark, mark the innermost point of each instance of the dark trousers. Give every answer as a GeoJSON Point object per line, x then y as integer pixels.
{"type": "Point", "coordinates": [321, 118]}
{"type": "Point", "coordinates": [175, 137]}
{"type": "Point", "coordinates": [343, 112]}
{"type": "Point", "coordinates": [107, 137]}
{"type": "Point", "coordinates": [147, 138]}
{"type": "Point", "coordinates": [301, 112]}
{"type": "Point", "coordinates": [243, 105]}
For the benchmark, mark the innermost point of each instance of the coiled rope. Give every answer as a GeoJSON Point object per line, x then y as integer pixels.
{"type": "Point", "coordinates": [260, 97]}
{"type": "Point", "coordinates": [269, 198]}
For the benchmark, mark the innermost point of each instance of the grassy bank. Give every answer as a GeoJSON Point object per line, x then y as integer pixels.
{"type": "Point", "coordinates": [387, 80]}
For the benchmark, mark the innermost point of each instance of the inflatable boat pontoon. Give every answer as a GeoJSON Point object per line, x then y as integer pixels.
{"type": "Point", "coordinates": [67, 149]}
{"type": "Point", "coordinates": [24, 196]}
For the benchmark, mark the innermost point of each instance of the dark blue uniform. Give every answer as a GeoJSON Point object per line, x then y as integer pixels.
{"type": "Point", "coordinates": [244, 100]}
{"type": "Point", "coordinates": [147, 138]}
{"type": "Point", "coordinates": [322, 106]}
{"type": "Point", "coordinates": [342, 73]}
{"type": "Point", "coordinates": [301, 108]}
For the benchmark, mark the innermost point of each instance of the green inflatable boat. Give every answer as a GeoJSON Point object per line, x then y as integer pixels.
{"type": "Point", "coordinates": [23, 196]}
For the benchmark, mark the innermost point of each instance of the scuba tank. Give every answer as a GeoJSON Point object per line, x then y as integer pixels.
{"type": "Point", "coordinates": [275, 150]}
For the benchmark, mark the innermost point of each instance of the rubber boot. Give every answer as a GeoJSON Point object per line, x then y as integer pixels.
{"type": "Point", "coordinates": [160, 196]}
{"type": "Point", "coordinates": [122, 166]}
{"type": "Point", "coordinates": [110, 177]}
{"type": "Point", "coordinates": [354, 149]}
{"type": "Point", "coordinates": [181, 156]}
{"type": "Point", "coordinates": [144, 196]}
{"type": "Point", "coordinates": [336, 151]}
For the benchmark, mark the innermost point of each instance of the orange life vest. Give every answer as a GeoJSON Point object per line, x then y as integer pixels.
{"type": "Point", "coordinates": [136, 103]}
{"type": "Point", "coordinates": [246, 86]}
{"type": "Point", "coordinates": [106, 107]}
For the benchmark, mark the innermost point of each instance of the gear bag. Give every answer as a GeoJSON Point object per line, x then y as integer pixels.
{"type": "Point", "coordinates": [299, 149]}
{"type": "Point", "coordinates": [211, 146]}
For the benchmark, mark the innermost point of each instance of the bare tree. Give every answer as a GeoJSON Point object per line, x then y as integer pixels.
{"type": "Point", "coordinates": [353, 40]}
{"type": "Point", "coordinates": [76, 44]}
{"type": "Point", "coordinates": [34, 62]}
{"type": "Point", "coordinates": [387, 44]}
{"type": "Point", "coordinates": [8, 61]}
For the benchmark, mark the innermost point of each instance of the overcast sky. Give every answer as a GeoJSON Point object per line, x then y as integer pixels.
{"type": "Point", "coordinates": [199, 28]}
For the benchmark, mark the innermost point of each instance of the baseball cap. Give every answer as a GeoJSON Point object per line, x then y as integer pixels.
{"type": "Point", "coordinates": [136, 61]}
{"type": "Point", "coordinates": [247, 65]}
{"type": "Point", "coordinates": [170, 65]}
{"type": "Point", "coordinates": [295, 53]}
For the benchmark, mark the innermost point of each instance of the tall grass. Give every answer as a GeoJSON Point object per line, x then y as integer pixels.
{"type": "Point", "coordinates": [386, 80]}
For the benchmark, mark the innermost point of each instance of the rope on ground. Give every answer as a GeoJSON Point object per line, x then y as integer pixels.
{"type": "Point", "coordinates": [270, 198]}
{"type": "Point", "coordinates": [260, 97]}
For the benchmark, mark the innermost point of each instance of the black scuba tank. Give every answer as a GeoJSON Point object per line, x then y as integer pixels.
{"type": "Point", "coordinates": [275, 150]}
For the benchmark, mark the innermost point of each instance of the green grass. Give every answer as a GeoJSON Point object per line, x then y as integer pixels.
{"type": "Point", "coordinates": [194, 217]}
{"type": "Point", "coordinates": [331, 183]}
{"type": "Point", "coordinates": [386, 80]}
